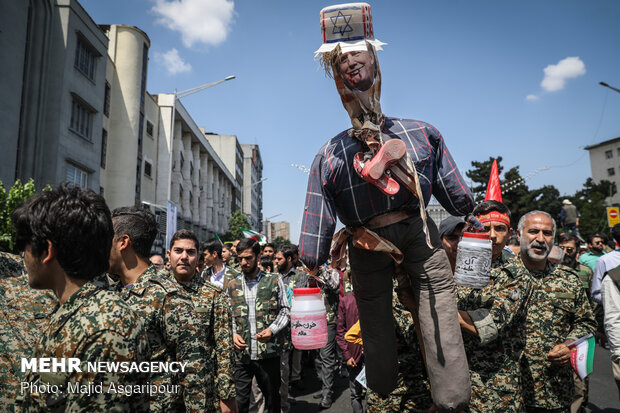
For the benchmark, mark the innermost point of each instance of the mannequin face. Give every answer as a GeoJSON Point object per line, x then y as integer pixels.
{"type": "Point", "coordinates": [357, 69]}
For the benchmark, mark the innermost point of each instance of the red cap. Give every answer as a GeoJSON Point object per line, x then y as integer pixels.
{"type": "Point", "coordinates": [494, 189]}
{"type": "Point", "coordinates": [475, 235]}
{"type": "Point", "coordinates": [306, 291]}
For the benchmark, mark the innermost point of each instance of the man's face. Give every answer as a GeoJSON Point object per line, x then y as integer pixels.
{"type": "Point", "coordinates": [209, 257]}
{"type": "Point", "coordinates": [36, 277]}
{"type": "Point", "coordinates": [537, 237]}
{"type": "Point", "coordinates": [158, 262]}
{"type": "Point", "coordinates": [357, 69]}
{"type": "Point", "coordinates": [225, 254]}
{"type": "Point", "coordinates": [597, 245]}
{"type": "Point", "coordinates": [282, 263]}
{"type": "Point", "coordinates": [451, 241]}
{"type": "Point", "coordinates": [183, 258]}
{"type": "Point", "coordinates": [248, 261]}
{"type": "Point", "coordinates": [268, 252]}
{"type": "Point", "coordinates": [499, 234]}
{"type": "Point", "coordinates": [570, 253]}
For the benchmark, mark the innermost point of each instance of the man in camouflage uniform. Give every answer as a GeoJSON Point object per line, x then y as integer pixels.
{"type": "Point", "coordinates": [24, 313]}
{"type": "Point", "coordinates": [260, 312]}
{"type": "Point", "coordinates": [570, 245]}
{"type": "Point", "coordinates": [65, 236]}
{"type": "Point", "coordinates": [412, 393]}
{"type": "Point", "coordinates": [495, 217]}
{"type": "Point", "coordinates": [213, 313]}
{"type": "Point", "coordinates": [558, 313]}
{"type": "Point", "coordinates": [168, 314]}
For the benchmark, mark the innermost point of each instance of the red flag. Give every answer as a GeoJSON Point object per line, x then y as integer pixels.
{"type": "Point", "coordinates": [494, 190]}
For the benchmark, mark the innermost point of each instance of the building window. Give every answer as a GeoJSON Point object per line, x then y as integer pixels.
{"type": "Point", "coordinates": [76, 176]}
{"type": "Point", "coordinates": [85, 58]}
{"type": "Point", "coordinates": [149, 128]}
{"type": "Point", "coordinates": [80, 118]}
{"type": "Point", "coordinates": [106, 100]}
{"type": "Point", "coordinates": [611, 172]}
{"type": "Point", "coordinates": [182, 160]}
{"type": "Point", "coordinates": [147, 168]}
{"type": "Point", "coordinates": [104, 147]}
{"type": "Point", "coordinates": [618, 151]}
{"type": "Point", "coordinates": [609, 154]}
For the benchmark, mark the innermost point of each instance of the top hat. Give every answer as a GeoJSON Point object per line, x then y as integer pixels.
{"type": "Point", "coordinates": [348, 26]}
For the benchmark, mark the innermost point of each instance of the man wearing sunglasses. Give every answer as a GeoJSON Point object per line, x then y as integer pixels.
{"type": "Point", "coordinates": [596, 243]}
{"type": "Point", "coordinates": [570, 245]}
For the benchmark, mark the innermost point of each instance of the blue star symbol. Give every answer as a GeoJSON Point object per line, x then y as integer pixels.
{"type": "Point", "coordinates": [342, 29]}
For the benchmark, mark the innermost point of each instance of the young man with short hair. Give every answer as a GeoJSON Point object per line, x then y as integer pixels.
{"type": "Point", "coordinates": [213, 313]}
{"type": "Point", "coordinates": [65, 236]}
{"type": "Point", "coordinates": [261, 311]}
{"type": "Point", "coordinates": [215, 268]}
{"type": "Point", "coordinates": [495, 216]}
{"type": "Point", "coordinates": [596, 245]}
{"type": "Point", "coordinates": [168, 313]}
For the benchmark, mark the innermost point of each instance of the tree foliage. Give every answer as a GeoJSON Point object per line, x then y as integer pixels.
{"type": "Point", "coordinates": [280, 240]}
{"type": "Point", "coordinates": [237, 221]}
{"type": "Point", "coordinates": [9, 201]}
{"type": "Point", "coordinates": [591, 203]}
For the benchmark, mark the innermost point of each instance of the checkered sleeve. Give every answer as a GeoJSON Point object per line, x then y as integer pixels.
{"type": "Point", "coordinates": [319, 219]}
{"type": "Point", "coordinates": [449, 187]}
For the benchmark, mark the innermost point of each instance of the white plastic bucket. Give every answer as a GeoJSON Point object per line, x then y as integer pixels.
{"type": "Point", "coordinates": [473, 260]}
{"type": "Point", "coordinates": [308, 319]}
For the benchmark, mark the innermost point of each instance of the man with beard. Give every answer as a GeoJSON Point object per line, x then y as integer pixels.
{"type": "Point", "coordinates": [604, 264]}
{"type": "Point", "coordinates": [558, 313]}
{"type": "Point", "coordinates": [353, 179]}
{"type": "Point", "coordinates": [596, 243]}
{"type": "Point", "coordinates": [260, 312]}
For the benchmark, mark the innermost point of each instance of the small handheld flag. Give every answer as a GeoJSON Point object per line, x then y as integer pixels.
{"type": "Point", "coordinates": [582, 355]}
{"type": "Point", "coordinates": [248, 233]}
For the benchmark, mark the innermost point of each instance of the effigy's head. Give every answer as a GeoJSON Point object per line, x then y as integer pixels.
{"type": "Point", "coordinates": [349, 55]}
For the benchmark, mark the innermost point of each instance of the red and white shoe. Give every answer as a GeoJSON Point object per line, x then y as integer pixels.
{"type": "Point", "coordinates": [389, 153]}
{"type": "Point", "coordinates": [385, 183]}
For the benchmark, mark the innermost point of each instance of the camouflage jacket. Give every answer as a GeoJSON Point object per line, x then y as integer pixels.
{"type": "Point", "coordinates": [93, 325]}
{"type": "Point", "coordinates": [295, 278]}
{"type": "Point", "coordinates": [24, 313]}
{"type": "Point", "coordinates": [213, 313]}
{"type": "Point", "coordinates": [412, 392]}
{"type": "Point", "coordinates": [174, 335]}
{"type": "Point", "coordinates": [499, 312]}
{"type": "Point", "coordinates": [267, 307]}
{"type": "Point", "coordinates": [503, 259]}
{"type": "Point", "coordinates": [558, 311]}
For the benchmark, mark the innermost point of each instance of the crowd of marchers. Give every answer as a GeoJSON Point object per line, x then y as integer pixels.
{"type": "Point", "coordinates": [87, 287]}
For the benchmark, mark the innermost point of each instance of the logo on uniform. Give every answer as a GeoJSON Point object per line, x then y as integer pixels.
{"type": "Point", "coordinates": [515, 295]}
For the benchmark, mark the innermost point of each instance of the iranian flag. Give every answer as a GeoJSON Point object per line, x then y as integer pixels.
{"type": "Point", "coordinates": [582, 355]}
{"type": "Point", "coordinates": [248, 233]}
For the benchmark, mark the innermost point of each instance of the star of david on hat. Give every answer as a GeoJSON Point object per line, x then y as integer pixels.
{"type": "Point", "coordinates": [348, 26]}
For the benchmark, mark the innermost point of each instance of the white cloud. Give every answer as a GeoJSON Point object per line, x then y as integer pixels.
{"type": "Point", "coordinates": [198, 21]}
{"type": "Point", "coordinates": [173, 62]}
{"type": "Point", "coordinates": [556, 75]}
{"type": "Point", "coordinates": [532, 98]}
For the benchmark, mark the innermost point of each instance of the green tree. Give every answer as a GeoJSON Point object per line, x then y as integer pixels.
{"type": "Point", "coordinates": [8, 202]}
{"type": "Point", "coordinates": [591, 204]}
{"type": "Point", "coordinates": [280, 240]}
{"type": "Point", "coordinates": [479, 174]}
{"type": "Point", "coordinates": [236, 222]}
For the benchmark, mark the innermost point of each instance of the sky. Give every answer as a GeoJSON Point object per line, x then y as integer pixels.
{"type": "Point", "coordinates": [513, 79]}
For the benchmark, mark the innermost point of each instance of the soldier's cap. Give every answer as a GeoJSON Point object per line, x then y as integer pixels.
{"type": "Point", "coordinates": [449, 224]}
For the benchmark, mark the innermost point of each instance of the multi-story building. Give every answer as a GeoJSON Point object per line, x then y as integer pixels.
{"type": "Point", "coordinates": [253, 185]}
{"type": "Point", "coordinates": [230, 152]}
{"type": "Point", "coordinates": [52, 89]}
{"type": "Point", "coordinates": [273, 230]}
{"type": "Point", "coordinates": [605, 164]}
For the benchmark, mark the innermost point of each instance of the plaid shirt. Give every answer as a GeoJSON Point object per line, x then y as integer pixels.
{"type": "Point", "coordinates": [335, 190]}
{"type": "Point", "coordinates": [250, 287]}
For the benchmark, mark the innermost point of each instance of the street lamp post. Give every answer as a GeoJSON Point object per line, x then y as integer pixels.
{"type": "Point", "coordinates": [196, 89]}
{"type": "Point", "coordinates": [610, 87]}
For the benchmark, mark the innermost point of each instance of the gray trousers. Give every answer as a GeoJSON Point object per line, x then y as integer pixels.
{"type": "Point", "coordinates": [357, 391]}
{"type": "Point", "coordinates": [327, 361]}
{"type": "Point", "coordinates": [433, 288]}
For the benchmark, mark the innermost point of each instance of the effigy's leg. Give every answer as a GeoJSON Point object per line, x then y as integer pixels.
{"type": "Point", "coordinates": [442, 341]}
{"type": "Point", "coordinates": [372, 286]}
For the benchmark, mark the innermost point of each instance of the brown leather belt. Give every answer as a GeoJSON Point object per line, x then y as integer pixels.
{"type": "Point", "coordinates": [388, 218]}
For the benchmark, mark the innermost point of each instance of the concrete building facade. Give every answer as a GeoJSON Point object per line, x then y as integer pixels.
{"type": "Point", "coordinates": [52, 93]}
{"type": "Point", "coordinates": [605, 164]}
{"type": "Point", "coordinates": [273, 230]}
{"type": "Point", "coordinates": [229, 150]}
{"type": "Point", "coordinates": [253, 185]}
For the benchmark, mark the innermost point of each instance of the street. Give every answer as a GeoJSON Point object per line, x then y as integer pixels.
{"type": "Point", "coordinates": [603, 392]}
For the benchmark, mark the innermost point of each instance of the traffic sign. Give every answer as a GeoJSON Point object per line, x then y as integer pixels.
{"type": "Point", "coordinates": [613, 216]}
